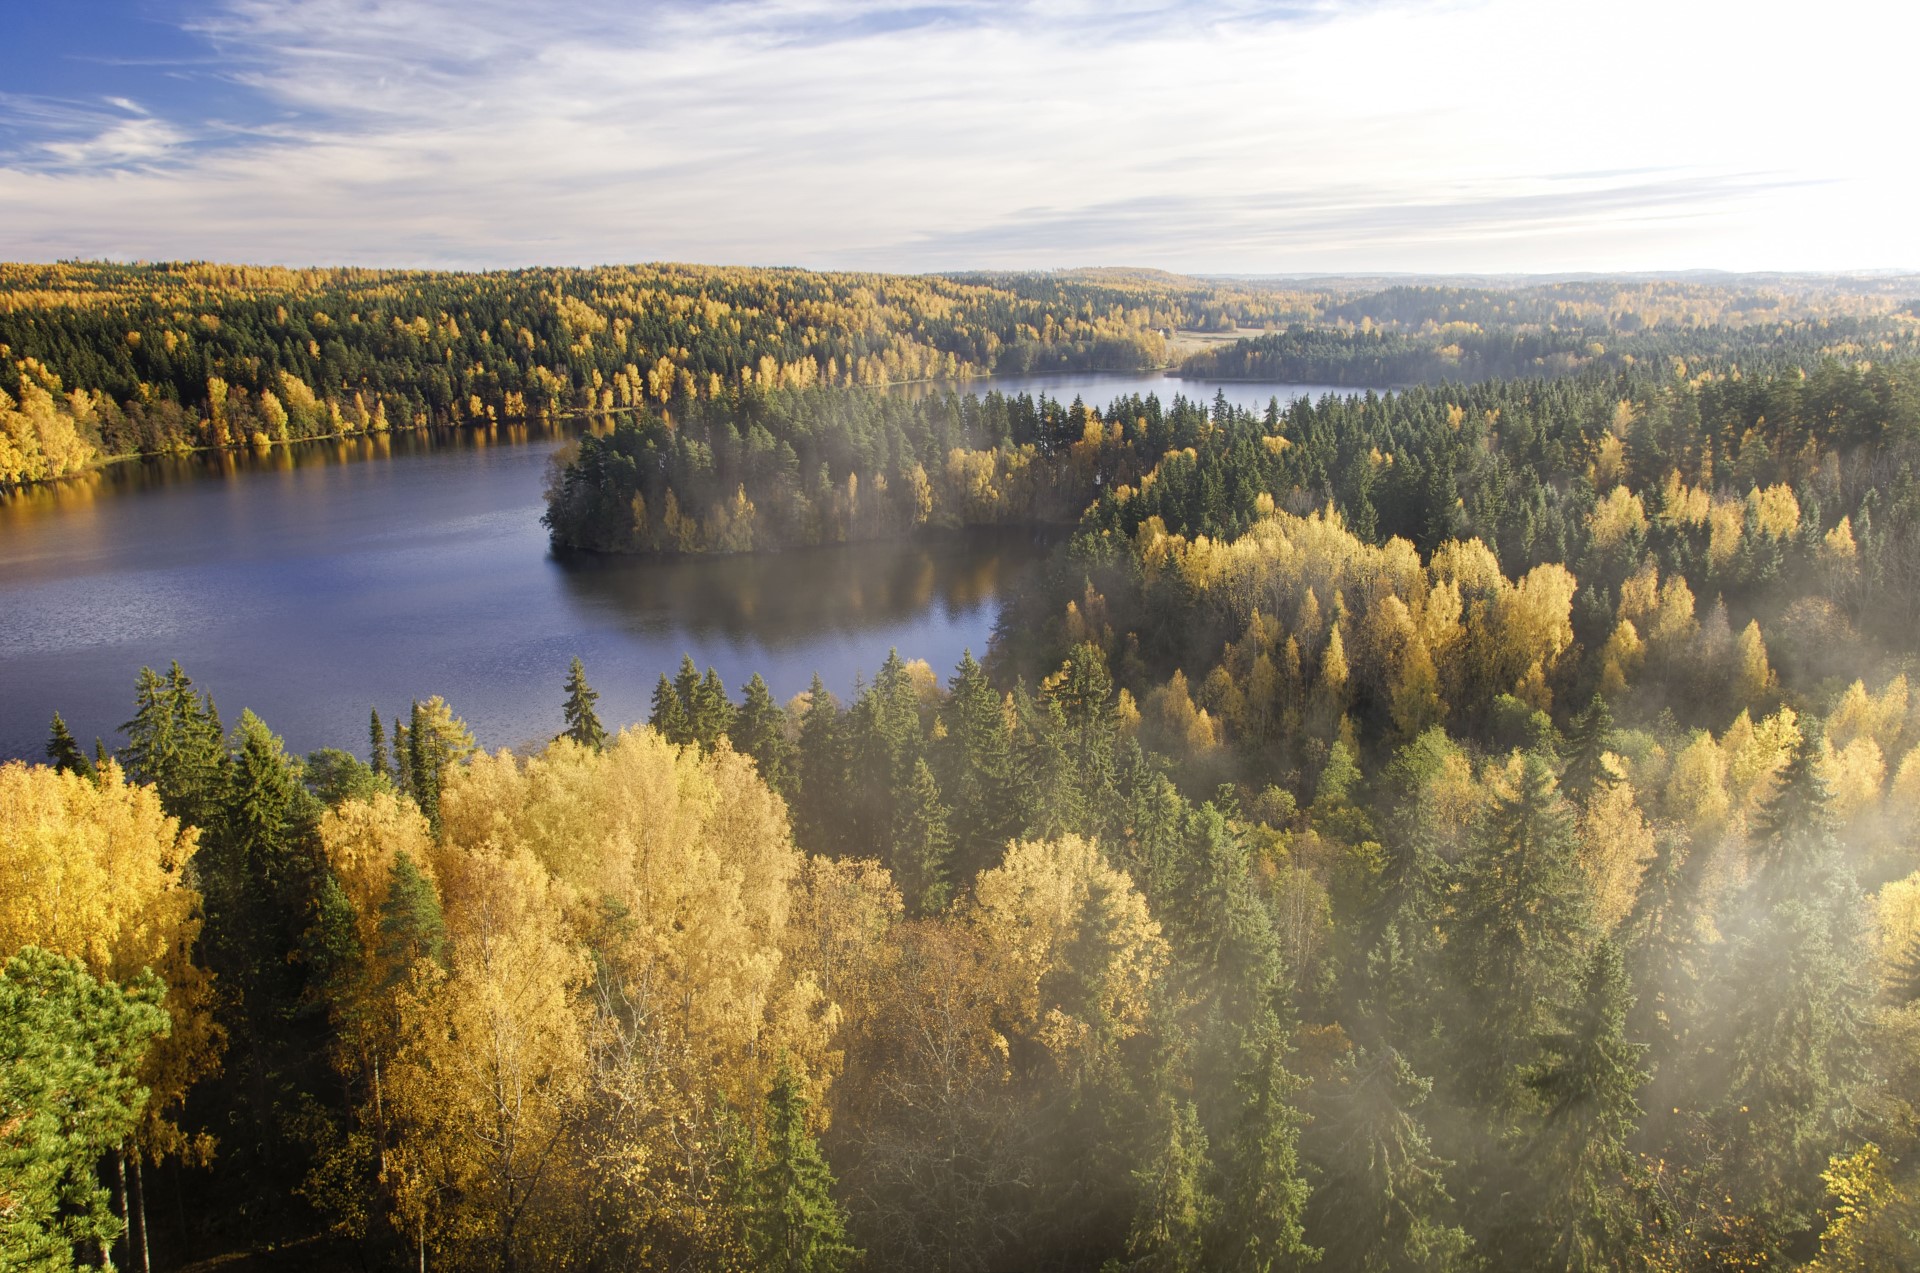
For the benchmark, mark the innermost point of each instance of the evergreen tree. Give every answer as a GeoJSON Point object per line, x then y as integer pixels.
{"type": "Point", "coordinates": [976, 769]}
{"type": "Point", "coordinates": [793, 1225]}
{"type": "Point", "coordinates": [710, 713]}
{"type": "Point", "coordinates": [70, 1054]}
{"type": "Point", "coordinates": [1579, 1205]}
{"type": "Point", "coordinates": [1176, 1212]}
{"type": "Point", "coordinates": [921, 845]}
{"type": "Point", "coordinates": [1263, 1192]}
{"type": "Point", "coordinates": [63, 753]}
{"type": "Point", "coordinates": [583, 724]}
{"type": "Point", "coordinates": [1516, 938]}
{"type": "Point", "coordinates": [669, 715]}
{"type": "Point", "coordinates": [1797, 990]}
{"type": "Point", "coordinates": [174, 741]}
{"type": "Point", "coordinates": [377, 758]}
{"type": "Point", "coordinates": [686, 689]}
{"type": "Point", "coordinates": [411, 926]}
{"type": "Point", "coordinates": [1382, 1200]}
{"type": "Point", "coordinates": [819, 808]}
{"type": "Point", "coordinates": [1586, 774]}
{"type": "Point", "coordinates": [1220, 926]}
{"type": "Point", "coordinates": [759, 730]}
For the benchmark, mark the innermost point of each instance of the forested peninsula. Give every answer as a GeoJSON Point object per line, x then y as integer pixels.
{"type": "Point", "coordinates": [1468, 828]}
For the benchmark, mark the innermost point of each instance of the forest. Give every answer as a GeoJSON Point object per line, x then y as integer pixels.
{"type": "Point", "coordinates": [1468, 828]}
{"type": "Point", "coordinates": [102, 361]}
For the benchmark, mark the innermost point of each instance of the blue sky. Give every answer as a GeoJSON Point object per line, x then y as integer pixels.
{"type": "Point", "coordinates": [1321, 135]}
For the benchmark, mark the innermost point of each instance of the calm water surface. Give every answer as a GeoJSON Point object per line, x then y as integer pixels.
{"type": "Point", "coordinates": [312, 582]}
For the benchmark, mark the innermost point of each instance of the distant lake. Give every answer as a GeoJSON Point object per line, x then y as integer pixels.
{"type": "Point", "coordinates": [315, 581]}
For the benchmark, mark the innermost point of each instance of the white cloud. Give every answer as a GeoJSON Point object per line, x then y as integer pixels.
{"type": "Point", "coordinates": [1448, 134]}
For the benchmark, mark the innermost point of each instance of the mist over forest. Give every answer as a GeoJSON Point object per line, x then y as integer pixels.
{"type": "Point", "coordinates": [1471, 822]}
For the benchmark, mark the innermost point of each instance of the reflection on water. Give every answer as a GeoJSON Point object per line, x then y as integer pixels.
{"type": "Point", "coordinates": [311, 581]}
{"type": "Point", "coordinates": [778, 601]}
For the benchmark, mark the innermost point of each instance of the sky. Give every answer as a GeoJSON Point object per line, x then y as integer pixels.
{"type": "Point", "coordinates": [1504, 136]}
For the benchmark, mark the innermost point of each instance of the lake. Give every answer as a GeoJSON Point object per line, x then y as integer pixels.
{"type": "Point", "coordinates": [312, 582]}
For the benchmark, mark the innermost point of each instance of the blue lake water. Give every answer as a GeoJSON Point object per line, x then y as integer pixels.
{"type": "Point", "coordinates": [313, 582]}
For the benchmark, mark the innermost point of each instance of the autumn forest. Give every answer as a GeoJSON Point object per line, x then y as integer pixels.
{"type": "Point", "coordinates": [1471, 822]}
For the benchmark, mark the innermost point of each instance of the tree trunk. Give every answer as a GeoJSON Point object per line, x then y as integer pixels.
{"type": "Point", "coordinates": [120, 1201]}
{"type": "Point", "coordinates": [140, 1213]}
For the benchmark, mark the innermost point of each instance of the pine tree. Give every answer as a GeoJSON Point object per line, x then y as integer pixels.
{"type": "Point", "coordinates": [71, 1048]}
{"type": "Point", "coordinates": [921, 845]}
{"type": "Point", "coordinates": [377, 758]}
{"type": "Point", "coordinates": [1577, 1191]}
{"type": "Point", "coordinates": [792, 1223]}
{"type": "Point", "coordinates": [583, 725]}
{"type": "Point", "coordinates": [686, 688]}
{"type": "Point", "coordinates": [669, 715]}
{"type": "Point", "coordinates": [63, 753]}
{"type": "Point", "coordinates": [759, 730]}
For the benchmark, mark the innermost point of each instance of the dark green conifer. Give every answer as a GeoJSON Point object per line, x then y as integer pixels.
{"type": "Point", "coordinates": [793, 1224]}
{"type": "Point", "coordinates": [711, 712]}
{"type": "Point", "coordinates": [1382, 1199]}
{"type": "Point", "coordinates": [819, 807]}
{"type": "Point", "coordinates": [976, 768]}
{"type": "Point", "coordinates": [583, 724]}
{"type": "Point", "coordinates": [377, 758]}
{"type": "Point", "coordinates": [1517, 938]}
{"type": "Point", "coordinates": [411, 925]}
{"type": "Point", "coordinates": [1579, 1210]}
{"type": "Point", "coordinates": [759, 730]}
{"type": "Point", "coordinates": [63, 753]}
{"type": "Point", "coordinates": [1263, 1190]}
{"type": "Point", "coordinates": [1588, 739]}
{"type": "Point", "coordinates": [1176, 1212]}
{"type": "Point", "coordinates": [921, 844]}
{"type": "Point", "coordinates": [669, 715]}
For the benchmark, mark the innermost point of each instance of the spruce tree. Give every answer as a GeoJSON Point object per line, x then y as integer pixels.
{"type": "Point", "coordinates": [1797, 990]}
{"type": "Point", "coordinates": [1576, 1192]}
{"type": "Point", "coordinates": [792, 1223]}
{"type": "Point", "coordinates": [686, 688]}
{"type": "Point", "coordinates": [1517, 936]}
{"type": "Point", "coordinates": [711, 712]}
{"type": "Point", "coordinates": [411, 925]}
{"type": "Point", "coordinates": [1176, 1211]}
{"type": "Point", "coordinates": [63, 753]}
{"type": "Point", "coordinates": [377, 758]}
{"type": "Point", "coordinates": [820, 809]}
{"type": "Point", "coordinates": [669, 715]}
{"type": "Point", "coordinates": [174, 741]}
{"type": "Point", "coordinates": [423, 767]}
{"type": "Point", "coordinates": [1382, 1199]}
{"type": "Point", "coordinates": [976, 768]}
{"type": "Point", "coordinates": [1586, 775]}
{"type": "Point", "coordinates": [583, 724]}
{"type": "Point", "coordinates": [921, 845]}
{"type": "Point", "coordinates": [759, 730]}
{"type": "Point", "coordinates": [1263, 1190]}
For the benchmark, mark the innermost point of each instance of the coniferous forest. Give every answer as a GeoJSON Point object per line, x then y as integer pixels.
{"type": "Point", "coordinates": [1473, 826]}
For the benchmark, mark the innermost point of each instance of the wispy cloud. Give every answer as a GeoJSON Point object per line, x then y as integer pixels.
{"type": "Point", "coordinates": [1406, 134]}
